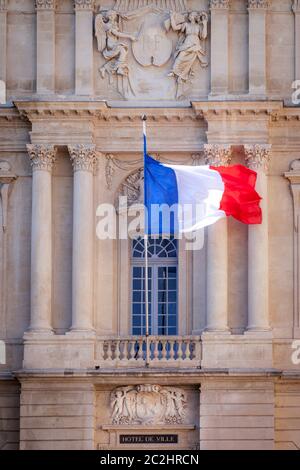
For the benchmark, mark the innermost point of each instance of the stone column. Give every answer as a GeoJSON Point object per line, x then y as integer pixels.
{"type": "Point", "coordinates": [257, 158]}
{"type": "Point", "coordinates": [42, 159]}
{"type": "Point", "coordinates": [83, 159]}
{"type": "Point", "coordinates": [219, 46]}
{"type": "Point", "coordinates": [84, 47]}
{"type": "Point", "coordinates": [296, 10]}
{"type": "Point", "coordinates": [257, 46]}
{"type": "Point", "coordinates": [217, 254]}
{"type": "Point", "coordinates": [3, 40]}
{"type": "Point", "coordinates": [45, 32]}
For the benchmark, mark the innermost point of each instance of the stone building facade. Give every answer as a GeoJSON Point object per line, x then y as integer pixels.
{"type": "Point", "coordinates": [216, 85]}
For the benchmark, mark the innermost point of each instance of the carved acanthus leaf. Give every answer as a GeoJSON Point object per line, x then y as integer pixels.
{"type": "Point", "coordinates": [45, 4]}
{"type": "Point", "coordinates": [84, 5]}
{"type": "Point", "coordinates": [217, 154]}
{"type": "Point", "coordinates": [219, 4]}
{"type": "Point", "coordinates": [258, 4]}
{"type": "Point", "coordinates": [42, 156]}
{"type": "Point", "coordinates": [258, 156]}
{"type": "Point", "coordinates": [83, 157]}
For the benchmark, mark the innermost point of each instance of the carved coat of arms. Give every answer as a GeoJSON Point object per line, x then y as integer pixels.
{"type": "Point", "coordinates": [148, 404]}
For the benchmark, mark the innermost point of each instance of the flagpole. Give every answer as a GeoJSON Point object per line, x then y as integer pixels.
{"type": "Point", "coordinates": [144, 118]}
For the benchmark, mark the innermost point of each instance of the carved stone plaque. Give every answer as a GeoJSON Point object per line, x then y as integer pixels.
{"type": "Point", "coordinates": [149, 439]}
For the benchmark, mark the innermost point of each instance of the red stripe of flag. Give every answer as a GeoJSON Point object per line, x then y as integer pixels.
{"type": "Point", "coordinates": [240, 198]}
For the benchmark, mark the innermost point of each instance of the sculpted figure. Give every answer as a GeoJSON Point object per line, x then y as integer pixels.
{"type": "Point", "coordinates": [108, 35]}
{"type": "Point", "coordinates": [117, 405]}
{"type": "Point", "coordinates": [193, 31]}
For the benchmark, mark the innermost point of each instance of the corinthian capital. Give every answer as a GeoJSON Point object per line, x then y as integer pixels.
{"type": "Point", "coordinates": [83, 157]}
{"type": "Point", "coordinates": [45, 4]}
{"type": "Point", "coordinates": [217, 154]}
{"type": "Point", "coordinates": [296, 6]}
{"type": "Point", "coordinates": [84, 4]}
{"type": "Point", "coordinates": [258, 4]}
{"type": "Point", "coordinates": [258, 156]}
{"type": "Point", "coordinates": [42, 156]}
{"type": "Point", "coordinates": [219, 4]}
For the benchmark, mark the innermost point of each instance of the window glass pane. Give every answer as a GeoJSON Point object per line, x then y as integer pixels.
{"type": "Point", "coordinates": [136, 296]}
{"type": "Point", "coordinates": [137, 284]}
{"type": "Point", "coordinates": [162, 284]}
{"type": "Point", "coordinates": [172, 331]}
{"type": "Point", "coordinates": [137, 272]}
{"type": "Point", "coordinates": [172, 271]}
{"type": "Point", "coordinates": [136, 309]}
{"type": "Point", "coordinates": [162, 296]}
{"type": "Point", "coordinates": [172, 309]}
{"type": "Point", "coordinates": [163, 278]}
{"type": "Point", "coordinates": [136, 320]}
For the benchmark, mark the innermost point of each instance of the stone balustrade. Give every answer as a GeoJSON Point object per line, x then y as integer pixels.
{"type": "Point", "coordinates": [130, 351]}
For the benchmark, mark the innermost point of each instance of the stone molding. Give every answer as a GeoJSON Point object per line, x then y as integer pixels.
{"type": "Point", "coordinates": [258, 4]}
{"type": "Point", "coordinates": [83, 157]}
{"type": "Point", "coordinates": [296, 6]}
{"type": "Point", "coordinates": [257, 156]}
{"type": "Point", "coordinates": [84, 5]}
{"type": "Point", "coordinates": [42, 156]}
{"type": "Point", "coordinates": [219, 4]}
{"type": "Point", "coordinates": [217, 154]}
{"type": "Point", "coordinates": [3, 5]}
{"type": "Point", "coordinates": [45, 4]}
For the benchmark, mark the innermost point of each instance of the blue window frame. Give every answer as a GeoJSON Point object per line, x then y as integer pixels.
{"type": "Point", "coordinates": [162, 285]}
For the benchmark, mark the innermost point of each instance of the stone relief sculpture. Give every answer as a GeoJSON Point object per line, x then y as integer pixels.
{"type": "Point", "coordinates": [152, 46]}
{"type": "Point", "coordinates": [132, 188]}
{"type": "Point", "coordinates": [114, 50]}
{"type": "Point", "coordinates": [148, 404]}
{"type": "Point", "coordinates": [190, 46]}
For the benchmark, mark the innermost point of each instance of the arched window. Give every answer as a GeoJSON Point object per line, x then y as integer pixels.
{"type": "Point", "coordinates": [162, 272]}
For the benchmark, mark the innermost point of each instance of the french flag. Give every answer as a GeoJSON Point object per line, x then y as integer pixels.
{"type": "Point", "coordinates": [198, 195]}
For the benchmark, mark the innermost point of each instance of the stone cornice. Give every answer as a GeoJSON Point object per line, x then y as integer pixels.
{"type": "Point", "coordinates": [35, 110]}
{"type": "Point", "coordinates": [45, 5]}
{"type": "Point", "coordinates": [83, 157]}
{"type": "Point", "coordinates": [257, 156]}
{"type": "Point", "coordinates": [258, 4]}
{"type": "Point", "coordinates": [296, 6]}
{"type": "Point", "coordinates": [219, 4]}
{"type": "Point", "coordinates": [3, 5]}
{"type": "Point", "coordinates": [42, 156]}
{"type": "Point", "coordinates": [232, 110]}
{"type": "Point", "coordinates": [217, 154]}
{"type": "Point", "coordinates": [8, 115]}
{"type": "Point", "coordinates": [86, 5]}
{"type": "Point", "coordinates": [72, 110]}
